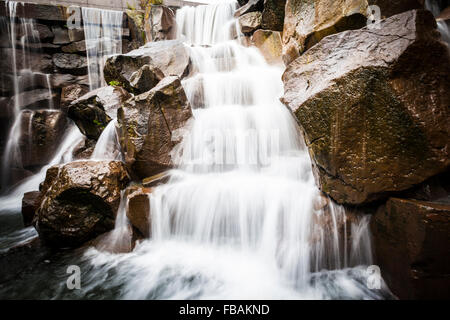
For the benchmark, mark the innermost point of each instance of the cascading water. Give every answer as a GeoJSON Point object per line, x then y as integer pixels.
{"type": "Point", "coordinates": [240, 216]}
{"type": "Point", "coordinates": [443, 27]}
{"type": "Point", "coordinates": [103, 34]}
{"type": "Point", "coordinates": [107, 146]}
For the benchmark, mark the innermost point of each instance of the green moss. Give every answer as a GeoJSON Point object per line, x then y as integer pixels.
{"type": "Point", "coordinates": [114, 83]}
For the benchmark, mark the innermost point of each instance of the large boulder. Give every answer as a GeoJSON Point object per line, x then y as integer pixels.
{"type": "Point", "coordinates": [412, 247]}
{"type": "Point", "coordinates": [306, 22]}
{"type": "Point", "coordinates": [171, 57]}
{"type": "Point", "coordinates": [71, 93]}
{"type": "Point", "coordinates": [147, 123]}
{"type": "Point", "coordinates": [269, 43]}
{"type": "Point", "coordinates": [373, 105]}
{"type": "Point", "coordinates": [93, 111]}
{"type": "Point", "coordinates": [41, 133]}
{"type": "Point", "coordinates": [160, 23]}
{"type": "Point", "coordinates": [273, 15]}
{"type": "Point", "coordinates": [138, 210]}
{"type": "Point", "coordinates": [70, 63]}
{"type": "Point", "coordinates": [249, 22]}
{"type": "Point", "coordinates": [80, 201]}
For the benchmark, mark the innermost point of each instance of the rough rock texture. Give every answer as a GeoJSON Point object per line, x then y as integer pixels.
{"type": "Point", "coordinates": [373, 105]}
{"type": "Point", "coordinates": [145, 78]}
{"type": "Point", "coordinates": [93, 111]}
{"type": "Point", "coordinates": [41, 134]}
{"type": "Point", "coordinates": [249, 22]}
{"type": "Point", "coordinates": [38, 11]}
{"type": "Point", "coordinates": [138, 210]}
{"type": "Point", "coordinates": [80, 201]}
{"type": "Point", "coordinates": [412, 246]}
{"type": "Point", "coordinates": [306, 22]}
{"type": "Point", "coordinates": [160, 23]}
{"type": "Point", "coordinates": [61, 35]}
{"type": "Point", "coordinates": [171, 57]}
{"type": "Point", "coordinates": [250, 6]}
{"type": "Point", "coordinates": [74, 47]}
{"type": "Point", "coordinates": [70, 63]}
{"type": "Point", "coordinates": [30, 204]}
{"type": "Point", "coordinates": [147, 123]}
{"type": "Point", "coordinates": [35, 99]}
{"type": "Point", "coordinates": [37, 61]}
{"type": "Point", "coordinates": [71, 93]}
{"type": "Point", "coordinates": [273, 15]}
{"type": "Point", "coordinates": [269, 43]}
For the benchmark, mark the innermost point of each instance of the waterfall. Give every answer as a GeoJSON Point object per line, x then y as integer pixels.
{"type": "Point", "coordinates": [107, 146]}
{"type": "Point", "coordinates": [241, 216]}
{"type": "Point", "coordinates": [442, 25]}
{"type": "Point", "coordinates": [103, 35]}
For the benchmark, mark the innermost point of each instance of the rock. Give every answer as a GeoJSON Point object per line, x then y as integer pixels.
{"type": "Point", "coordinates": [80, 201]}
{"type": "Point", "coordinates": [145, 78]}
{"type": "Point", "coordinates": [273, 15]}
{"type": "Point", "coordinates": [138, 210]}
{"type": "Point", "coordinates": [307, 22]}
{"type": "Point", "coordinates": [59, 80]}
{"type": "Point", "coordinates": [269, 43]}
{"type": "Point", "coordinates": [147, 126]}
{"type": "Point", "coordinates": [70, 63]}
{"type": "Point", "coordinates": [171, 57]}
{"type": "Point", "coordinates": [93, 111]}
{"type": "Point", "coordinates": [249, 22]}
{"type": "Point", "coordinates": [159, 23]}
{"type": "Point", "coordinates": [84, 149]}
{"type": "Point", "coordinates": [373, 105]}
{"type": "Point", "coordinates": [36, 61]}
{"type": "Point", "coordinates": [34, 99]}
{"type": "Point", "coordinates": [38, 11]}
{"type": "Point", "coordinates": [30, 203]}
{"type": "Point", "coordinates": [61, 35]}
{"type": "Point", "coordinates": [389, 8]}
{"type": "Point", "coordinates": [75, 34]}
{"type": "Point", "coordinates": [41, 134]}
{"type": "Point", "coordinates": [413, 247]}
{"type": "Point", "coordinates": [136, 22]}
{"type": "Point", "coordinates": [251, 6]}
{"type": "Point", "coordinates": [156, 180]}
{"type": "Point", "coordinates": [71, 93]}
{"type": "Point", "coordinates": [79, 46]}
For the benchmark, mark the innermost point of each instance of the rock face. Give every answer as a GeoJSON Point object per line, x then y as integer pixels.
{"type": "Point", "coordinates": [249, 22]}
{"type": "Point", "coordinates": [273, 15]}
{"type": "Point", "coordinates": [93, 111]}
{"type": "Point", "coordinates": [80, 201]}
{"type": "Point", "coordinates": [37, 61]}
{"type": "Point", "coordinates": [373, 105]}
{"type": "Point", "coordinates": [171, 57]}
{"type": "Point", "coordinates": [160, 23]}
{"type": "Point", "coordinates": [138, 210]}
{"type": "Point", "coordinates": [71, 93]}
{"type": "Point", "coordinates": [413, 247]}
{"type": "Point", "coordinates": [70, 63]}
{"type": "Point", "coordinates": [147, 123]}
{"type": "Point", "coordinates": [269, 43]}
{"type": "Point", "coordinates": [41, 134]}
{"type": "Point", "coordinates": [306, 22]}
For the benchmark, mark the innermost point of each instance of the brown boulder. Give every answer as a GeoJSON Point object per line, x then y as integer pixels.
{"type": "Point", "coordinates": [412, 246]}
{"type": "Point", "coordinates": [80, 201]}
{"type": "Point", "coordinates": [249, 22]}
{"type": "Point", "coordinates": [138, 210]}
{"type": "Point", "coordinates": [147, 123]}
{"type": "Point", "coordinates": [71, 93]}
{"type": "Point", "coordinates": [160, 23]}
{"type": "Point", "coordinates": [269, 43]}
{"type": "Point", "coordinates": [373, 105]}
{"type": "Point", "coordinates": [273, 15]}
{"type": "Point", "coordinates": [30, 204]}
{"type": "Point", "coordinates": [250, 6]}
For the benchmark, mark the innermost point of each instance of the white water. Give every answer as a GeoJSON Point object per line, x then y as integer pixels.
{"type": "Point", "coordinates": [103, 35]}
{"type": "Point", "coordinates": [442, 26]}
{"type": "Point", "coordinates": [237, 220]}
{"type": "Point", "coordinates": [107, 146]}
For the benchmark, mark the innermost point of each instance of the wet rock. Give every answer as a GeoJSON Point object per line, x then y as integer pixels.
{"type": "Point", "coordinates": [33, 99]}
{"type": "Point", "coordinates": [249, 22]}
{"type": "Point", "coordinates": [273, 15]}
{"type": "Point", "coordinates": [93, 111]}
{"type": "Point", "coordinates": [269, 43]}
{"type": "Point", "coordinates": [71, 93]}
{"type": "Point", "coordinates": [307, 22]}
{"type": "Point", "coordinates": [75, 34]}
{"type": "Point", "coordinates": [36, 61]}
{"type": "Point", "coordinates": [30, 204]}
{"type": "Point", "coordinates": [145, 78]}
{"type": "Point", "coordinates": [148, 124]}
{"type": "Point", "coordinates": [70, 63]}
{"type": "Point", "coordinates": [138, 210]}
{"type": "Point", "coordinates": [156, 180]}
{"type": "Point", "coordinates": [373, 105]}
{"type": "Point", "coordinates": [160, 24]}
{"type": "Point", "coordinates": [39, 11]}
{"type": "Point", "coordinates": [171, 57]}
{"type": "Point", "coordinates": [250, 6]}
{"type": "Point", "coordinates": [413, 247]}
{"type": "Point", "coordinates": [80, 201]}
{"type": "Point", "coordinates": [74, 47]}
{"type": "Point", "coordinates": [84, 149]}
{"type": "Point", "coordinates": [41, 134]}
{"type": "Point", "coordinates": [61, 36]}
{"type": "Point", "coordinates": [59, 80]}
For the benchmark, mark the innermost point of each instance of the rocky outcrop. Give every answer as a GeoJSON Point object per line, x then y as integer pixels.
{"type": "Point", "coordinates": [160, 23]}
{"type": "Point", "coordinates": [269, 43]}
{"type": "Point", "coordinates": [373, 105]}
{"type": "Point", "coordinates": [93, 111]}
{"type": "Point", "coordinates": [70, 63]}
{"type": "Point", "coordinates": [307, 22]}
{"type": "Point", "coordinates": [41, 134]}
{"type": "Point", "coordinates": [71, 93]}
{"type": "Point", "coordinates": [413, 247]}
{"type": "Point", "coordinates": [80, 201]}
{"type": "Point", "coordinates": [147, 124]}
{"type": "Point", "coordinates": [273, 15]}
{"type": "Point", "coordinates": [138, 210]}
{"type": "Point", "coordinates": [249, 22]}
{"type": "Point", "coordinates": [171, 57]}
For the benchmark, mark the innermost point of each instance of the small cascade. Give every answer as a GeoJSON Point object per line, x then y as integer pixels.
{"type": "Point", "coordinates": [442, 25]}
{"type": "Point", "coordinates": [103, 34]}
{"type": "Point", "coordinates": [108, 146]}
